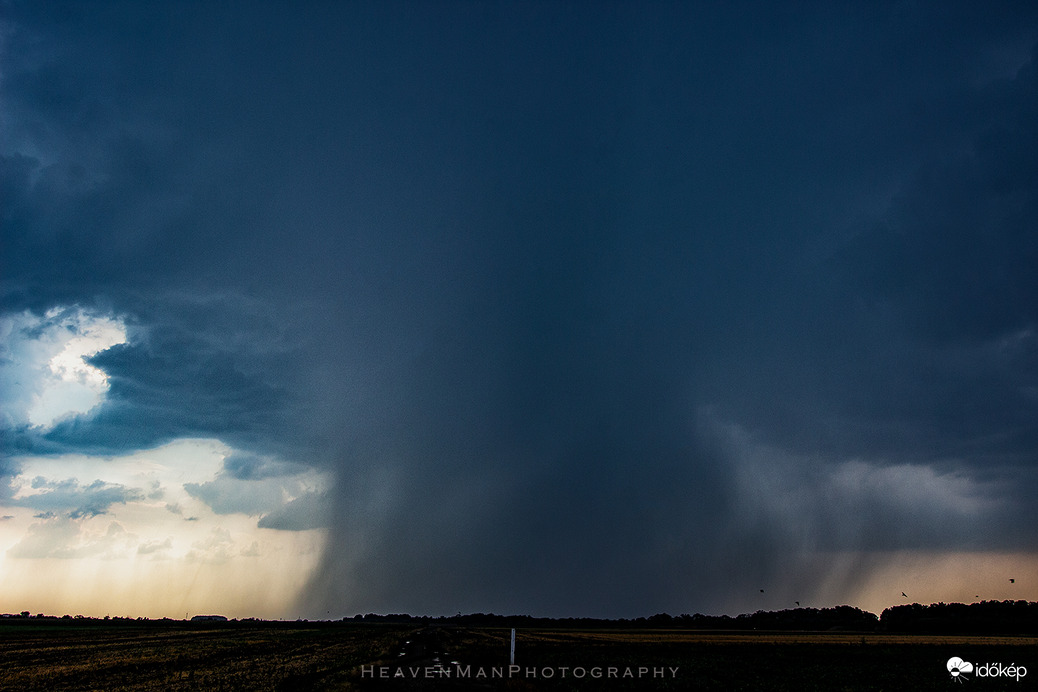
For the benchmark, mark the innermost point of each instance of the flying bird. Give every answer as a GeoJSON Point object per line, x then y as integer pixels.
{"type": "Point", "coordinates": [797, 602]}
{"type": "Point", "coordinates": [904, 594]}
{"type": "Point", "coordinates": [762, 590]}
{"type": "Point", "coordinates": [1012, 581]}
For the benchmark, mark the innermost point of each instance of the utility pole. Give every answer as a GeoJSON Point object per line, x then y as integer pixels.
{"type": "Point", "coordinates": [511, 657]}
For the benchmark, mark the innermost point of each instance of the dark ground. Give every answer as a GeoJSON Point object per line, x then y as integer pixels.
{"type": "Point", "coordinates": [170, 655]}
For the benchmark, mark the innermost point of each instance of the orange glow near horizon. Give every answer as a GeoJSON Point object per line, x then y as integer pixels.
{"type": "Point", "coordinates": [161, 553]}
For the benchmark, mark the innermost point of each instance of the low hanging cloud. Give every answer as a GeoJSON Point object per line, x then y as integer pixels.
{"type": "Point", "coordinates": [244, 466]}
{"type": "Point", "coordinates": [823, 505]}
{"type": "Point", "coordinates": [308, 511]}
{"type": "Point", "coordinates": [155, 547]}
{"type": "Point", "coordinates": [230, 496]}
{"type": "Point", "coordinates": [288, 496]}
{"type": "Point", "coordinates": [74, 500]}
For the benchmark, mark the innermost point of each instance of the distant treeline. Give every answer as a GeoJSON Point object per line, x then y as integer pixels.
{"type": "Point", "coordinates": [841, 617]}
{"type": "Point", "coordinates": [987, 617]}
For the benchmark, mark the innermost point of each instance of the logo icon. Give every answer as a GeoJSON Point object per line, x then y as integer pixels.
{"type": "Point", "coordinates": [958, 668]}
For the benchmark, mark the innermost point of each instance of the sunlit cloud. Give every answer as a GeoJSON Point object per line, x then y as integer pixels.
{"type": "Point", "coordinates": [45, 370]}
{"type": "Point", "coordinates": [70, 539]}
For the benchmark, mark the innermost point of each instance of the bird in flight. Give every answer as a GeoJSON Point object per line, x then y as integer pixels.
{"type": "Point", "coordinates": [797, 602]}
{"type": "Point", "coordinates": [1012, 581]}
{"type": "Point", "coordinates": [904, 594]}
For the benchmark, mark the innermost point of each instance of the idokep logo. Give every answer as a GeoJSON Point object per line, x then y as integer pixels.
{"type": "Point", "coordinates": [959, 670]}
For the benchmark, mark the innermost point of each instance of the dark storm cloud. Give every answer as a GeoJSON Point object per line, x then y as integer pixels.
{"type": "Point", "coordinates": [929, 347]}
{"type": "Point", "coordinates": [181, 389]}
{"type": "Point", "coordinates": [955, 252]}
{"type": "Point", "coordinates": [178, 377]}
{"type": "Point", "coordinates": [551, 290]}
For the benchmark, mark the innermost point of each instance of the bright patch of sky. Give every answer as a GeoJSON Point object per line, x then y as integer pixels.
{"type": "Point", "coordinates": [44, 372]}
{"type": "Point", "coordinates": [876, 581]}
{"type": "Point", "coordinates": [192, 526]}
{"type": "Point", "coordinates": [79, 530]}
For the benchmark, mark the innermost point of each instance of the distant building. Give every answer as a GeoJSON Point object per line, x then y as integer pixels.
{"type": "Point", "coordinates": [209, 618]}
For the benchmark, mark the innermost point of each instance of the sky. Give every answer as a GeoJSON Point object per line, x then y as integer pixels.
{"type": "Point", "coordinates": [550, 308]}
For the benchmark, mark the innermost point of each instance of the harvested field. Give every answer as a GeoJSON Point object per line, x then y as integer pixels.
{"type": "Point", "coordinates": [342, 656]}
